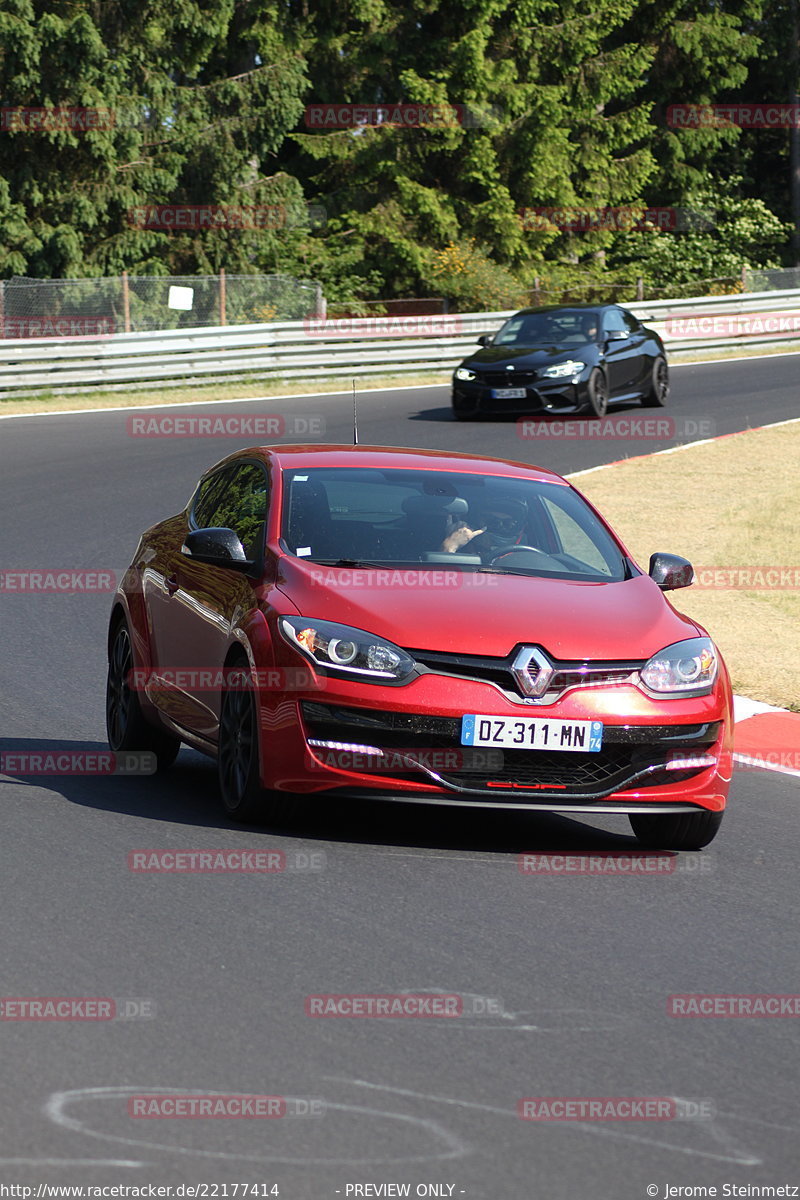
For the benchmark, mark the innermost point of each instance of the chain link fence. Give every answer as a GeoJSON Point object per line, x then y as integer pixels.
{"type": "Point", "coordinates": [122, 304]}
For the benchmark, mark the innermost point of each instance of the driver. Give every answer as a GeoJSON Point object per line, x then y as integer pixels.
{"type": "Point", "coordinates": [500, 525]}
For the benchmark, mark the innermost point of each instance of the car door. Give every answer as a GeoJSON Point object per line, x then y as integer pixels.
{"type": "Point", "coordinates": [623, 344]}
{"type": "Point", "coordinates": [207, 601]}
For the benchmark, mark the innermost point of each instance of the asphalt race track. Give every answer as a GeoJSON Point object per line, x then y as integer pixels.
{"type": "Point", "coordinates": [566, 978]}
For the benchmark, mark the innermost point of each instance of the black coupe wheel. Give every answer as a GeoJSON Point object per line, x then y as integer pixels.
{"type": "Point", "coordinates": [658, 392]}
{"type": "Point", "coordinates": [675, 831]}
{"type": "Point", "coordinates": [598, 394]}
{"type": "Point", "coordinates": [461, 412]}
{"type": "Point", "coordinates": [126, 726]}
{"type": "Point", "coordinates": [238, 758]}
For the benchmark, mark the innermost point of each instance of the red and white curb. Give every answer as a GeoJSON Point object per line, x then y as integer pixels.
{"type": "Point", "coordinates": [765, 736]}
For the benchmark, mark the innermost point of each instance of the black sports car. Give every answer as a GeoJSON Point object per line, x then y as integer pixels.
{"type": "Point", "coordinates": [563, 360]}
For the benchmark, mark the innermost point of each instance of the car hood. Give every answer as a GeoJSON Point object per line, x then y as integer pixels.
{"type": "Point", "coordinates": [470, 613]}
{"type": "Point", "coordinates": [532, 356]}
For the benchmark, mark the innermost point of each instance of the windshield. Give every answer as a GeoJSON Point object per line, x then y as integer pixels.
{"type": "Point", "coordinates": [350, 516]}
{"type": "Point", "coordinates": [564, 327]}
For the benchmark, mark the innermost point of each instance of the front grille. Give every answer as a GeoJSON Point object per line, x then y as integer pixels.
{"type": "Point", "coordinates": [507, 378]}
{"type": "Point", "coordinates": [498, 671]}
{"type": "Point", "coordinates": [628, 751]}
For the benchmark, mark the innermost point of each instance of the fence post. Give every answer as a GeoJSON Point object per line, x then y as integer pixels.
{"type": "Point", "coordinates": [744, 278]}
{"type": "Point", "coordinates": [126, 303]}
{"type": "Point", "coordinates": [320, 303]}
{"type": "Point", "coordinates": [536, 289]}
{"type": "Point", "coordinates": [639, 287]}
{"type": "Point", "coordinates": [223, 297]}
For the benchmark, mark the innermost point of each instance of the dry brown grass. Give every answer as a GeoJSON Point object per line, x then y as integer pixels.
{"type": "Point", "coordinates": [177, 394]}
{"type": "Point", "coordinates": [732, 502]}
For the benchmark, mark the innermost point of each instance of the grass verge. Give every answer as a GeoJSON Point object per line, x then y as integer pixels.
{"type": "Point", "coordinates": [729, 503]}
{"type": "Point", "coordinates": [211, 392]}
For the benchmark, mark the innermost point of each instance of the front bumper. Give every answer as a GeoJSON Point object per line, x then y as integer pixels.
{"type": "Point", "coordinates": [404, 743]}
{"type": "Point", "coordinates": [541, 395]}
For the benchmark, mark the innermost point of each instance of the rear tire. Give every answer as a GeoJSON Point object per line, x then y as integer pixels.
{"type": "Point", "coordinates": [658, 393]}
{"type": "Point", "coordinates": [598, 394]}
{"type": "Point", "coordinates": [238, 760]}
{"type": "Point", "coordinates": [675, 831]}
{"type": "Point", "coordinates": [126, 726]}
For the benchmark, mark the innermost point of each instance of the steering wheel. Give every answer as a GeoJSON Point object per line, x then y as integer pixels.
{"type": "Point", "coordinates": [516, 549]}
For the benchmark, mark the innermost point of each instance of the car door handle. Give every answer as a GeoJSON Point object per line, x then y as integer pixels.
{"type": "Point", "coordinates": [172, 584]}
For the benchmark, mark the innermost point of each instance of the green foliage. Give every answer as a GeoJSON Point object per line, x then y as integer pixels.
{"type": "Point", "coordinates": [734, 233]}
{"type": "Point", "coordinates": [560, 104]}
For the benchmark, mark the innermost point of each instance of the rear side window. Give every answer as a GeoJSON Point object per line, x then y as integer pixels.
{"type": "Point", "coordinates": [207, 499]}
{"type": "Point", "coordinates": [237, 501]}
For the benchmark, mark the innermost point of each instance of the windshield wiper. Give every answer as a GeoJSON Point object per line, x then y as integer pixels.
{"type": "Point", "coordinates": [363, 562]}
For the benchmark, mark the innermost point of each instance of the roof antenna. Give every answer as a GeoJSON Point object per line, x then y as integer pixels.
{"type": "Point", "coordinates": [355, 416]}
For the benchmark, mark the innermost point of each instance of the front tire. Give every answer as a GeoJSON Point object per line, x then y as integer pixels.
{"type": "Point", "coordinates": [460, 412]}
{"type": "Point", "coordinates": [675, 831]}
{"type": "Point", "coordinates": [597, 389]}
{"type": "Point", "coordinates": [126, 726]}
{"type": "Point", "coordinates": [238, 757]}
{"type": "Point", "coordinates": [658, 392]}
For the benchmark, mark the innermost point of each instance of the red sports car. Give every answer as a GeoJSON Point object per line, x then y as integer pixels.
{"type": "Point", "coordinates": [432, 627]}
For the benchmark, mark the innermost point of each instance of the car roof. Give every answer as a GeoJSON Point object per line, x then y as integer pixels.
{"type": "Point", "coordinates": [551, 308]}
{"type": "Point", "coordinates": [390, 458]}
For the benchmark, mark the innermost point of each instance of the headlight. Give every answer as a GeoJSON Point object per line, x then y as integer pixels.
{"type": "Point", "coordinates": [341, 648]}
{"type": "Point", "coordinates": [463, 373]}
{"type": "Point", "coordinates": [684, 669]}
{"type": "Point", "coordinates": [558, 370]}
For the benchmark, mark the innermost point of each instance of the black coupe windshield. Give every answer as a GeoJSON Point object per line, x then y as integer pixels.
{"type": "Point", "coordinates": [361, 516]}
{"type": "Point", "coordinates": [566, 327]}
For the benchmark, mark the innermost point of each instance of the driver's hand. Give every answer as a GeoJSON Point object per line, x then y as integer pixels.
{"type": "Point", "coordinates": [459, 537]}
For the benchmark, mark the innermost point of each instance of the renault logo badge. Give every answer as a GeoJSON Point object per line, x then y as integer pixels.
{"type": "Point", "coordinates": [533, 672]}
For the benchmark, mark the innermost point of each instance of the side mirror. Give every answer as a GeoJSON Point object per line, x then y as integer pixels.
{"type": "Point", "coordinates": [617, 335]}
{"type": "Point", "coordinates": [486, 339]}
{"type": "Point", "coordinates": [670, 571]}
{"type": "Point", "coordinates": [218, 547]}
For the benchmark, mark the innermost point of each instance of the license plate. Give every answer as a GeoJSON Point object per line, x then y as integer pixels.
{"type": "Point", "coordinates": [531, 733]}
{"type": "Point", "coordinates": [509, 393]}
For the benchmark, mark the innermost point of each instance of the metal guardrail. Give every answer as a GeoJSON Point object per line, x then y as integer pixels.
{"type": "Point", "coordinates": [318, 348]}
